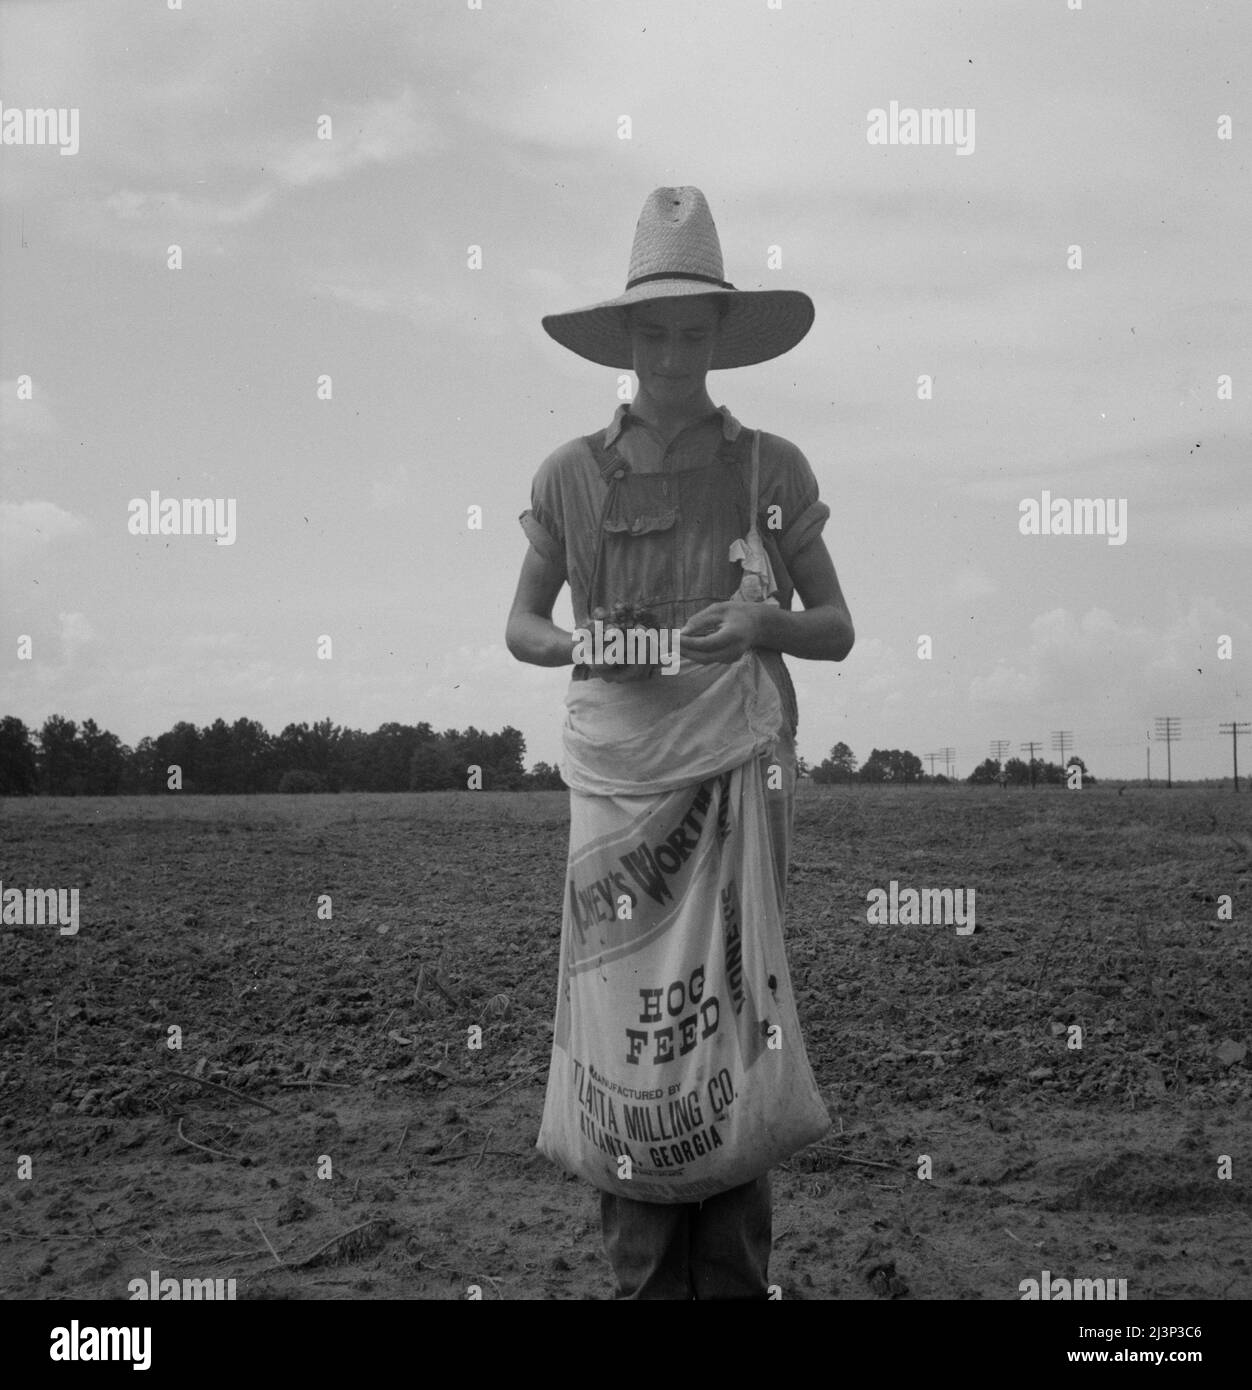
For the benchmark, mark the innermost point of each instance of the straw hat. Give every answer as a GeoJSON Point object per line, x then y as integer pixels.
{"type": "Point", "coordinates": [677, 253]}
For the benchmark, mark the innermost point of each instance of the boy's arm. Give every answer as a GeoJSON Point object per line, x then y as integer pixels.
{"type": "Point", "coordinates": [823, 632]}
{"type": "Point", "coordinates": [530, 634]}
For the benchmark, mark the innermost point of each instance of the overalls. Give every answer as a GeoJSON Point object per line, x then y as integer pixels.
{"type": "Point", "coordinates": [665, 543]}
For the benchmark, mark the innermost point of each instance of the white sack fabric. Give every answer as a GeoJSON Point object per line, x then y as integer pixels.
{"type": "Point", "coordinates": [676, 1042]}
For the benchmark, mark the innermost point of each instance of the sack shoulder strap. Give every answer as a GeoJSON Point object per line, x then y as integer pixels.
{"type": "Point", "coordinates": [756, 474]}
{"type": "Point", "coordinates": [752, 466]}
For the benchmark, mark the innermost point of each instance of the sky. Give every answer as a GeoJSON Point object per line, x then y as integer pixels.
{"type": "Point", "coordinates": [306, 260]}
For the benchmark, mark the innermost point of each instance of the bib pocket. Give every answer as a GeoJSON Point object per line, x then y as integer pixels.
{"type": "Point", "coordinates": [637, 562]}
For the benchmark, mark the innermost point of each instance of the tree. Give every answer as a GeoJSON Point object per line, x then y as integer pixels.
{"type": "Point", "coordinates": [1017, 772]}
{"type": "Point", "coordinates": [179, 746]}
{"type": "Point", "coordinates": [101, 760]}
{"type": "Point", "coordinates": [144, 776]}
{"type": "Point", "coordinates": [436, 766]}
{"type": "Point", "coordinates": [985, 774]}
{"type": "Point", "coordinates": [875, 768]}
{"type": "Point", "coordinates": [499, 755]}
{"type": "Point", "coordinates": [391, 752]}
{"type": "Point", "coordinates": [251, 757]}
{"type": "Point", "coordinates": [840, 766]}
{"type": "Point", "coordinates": [298, 779]}
{"type": "Point", "coordinates": [891, 765]}
{"type": "Point", "coordinates": [1088, 779]}
{"type": "Point", "coordinates": [216, 748]}
{"type": "Point", "coordinates": [19, 769]}
{"type": "Point", "coordinates": [350, 761]}
{"type": "Point", "coordinates": [58, 759]}
{"type": "Point", "coordinates": [545, 778]}
{"type": "Point", "coordinates": [907, 766]}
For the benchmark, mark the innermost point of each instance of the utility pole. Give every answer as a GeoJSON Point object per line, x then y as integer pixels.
{"type": "Point", "coordinates": [1234, 729]}
{"type": "Point", "coordinates": [947, 754]}
{"type": "Point", "coordinates": [999, 749]}
{"type": "Point", "coordinates": [1061, 739]}
{"type": "Point", "coordinates": [1031, 747]}
{"type": "Point", "coordinates": [932, 757]}
{"type": "Point", "coordinates": [1167, 728]}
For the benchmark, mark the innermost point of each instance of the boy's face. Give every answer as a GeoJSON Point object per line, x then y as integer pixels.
{"type": "Point", "coordinates": [673, 342]}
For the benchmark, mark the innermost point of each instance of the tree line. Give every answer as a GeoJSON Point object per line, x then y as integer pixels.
{"type": "Point", "coordinates": [896, 765]}
{"type": "Point", "coordinates": [64, 758]}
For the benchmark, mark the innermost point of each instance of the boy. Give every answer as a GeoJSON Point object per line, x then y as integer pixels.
{"type": "Point", "coordinates": [655, 512]}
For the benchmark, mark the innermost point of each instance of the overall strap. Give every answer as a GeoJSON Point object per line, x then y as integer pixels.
{"type": "Point", "coordinates": [608, 460]}
{"type": "Point", "coordinates": [613, 468]}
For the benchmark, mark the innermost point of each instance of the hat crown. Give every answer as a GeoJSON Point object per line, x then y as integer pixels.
{"type": "Point", "coordinates": [675, 234]}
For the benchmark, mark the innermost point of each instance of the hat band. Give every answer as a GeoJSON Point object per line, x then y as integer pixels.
{"type": "Point", "coordinates": [678, 275]}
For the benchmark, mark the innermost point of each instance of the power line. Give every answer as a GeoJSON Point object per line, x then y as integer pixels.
{"type": "Point", "coordinates": [1234, 728]}
{"type": "Point", "coordinates": [1167, 728]}
{"type": "Point", "coordinates": [1170, 729]}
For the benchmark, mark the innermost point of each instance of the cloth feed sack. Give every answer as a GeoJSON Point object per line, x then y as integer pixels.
{"type": "Point", "coordinates": [678, 1069]}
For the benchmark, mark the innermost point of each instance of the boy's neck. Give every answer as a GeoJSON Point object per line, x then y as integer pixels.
{"type": "Point", "coordinates": [669, 422]}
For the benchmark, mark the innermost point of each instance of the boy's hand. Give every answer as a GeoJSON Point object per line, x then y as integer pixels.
{"type": "Point", "coordinates": [621, 617]}
{"type": "Point", "coordinates": [722, 632]}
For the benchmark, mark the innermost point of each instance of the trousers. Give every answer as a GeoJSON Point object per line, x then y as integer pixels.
{"type": "Point", "coordinates": [715, 1249]}
{"type": "Point", "coordinates": [718, 1248]}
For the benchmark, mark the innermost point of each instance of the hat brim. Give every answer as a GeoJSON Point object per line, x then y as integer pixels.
{"type": "Point", "coordinates": [759, 325]}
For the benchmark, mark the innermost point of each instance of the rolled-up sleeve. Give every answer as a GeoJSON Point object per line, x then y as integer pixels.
{"type": "Point", "coordinates": [540, 535]}
{"type": "Point", "coordinates": [803, 531]}
{"type": "Point", "coordinates": [793, 489]}
{"type": "Point", "coordinates": [542, 520]}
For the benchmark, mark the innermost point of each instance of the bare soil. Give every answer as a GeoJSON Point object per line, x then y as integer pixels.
{"type": "Point", "coordinates": [363, 1150]}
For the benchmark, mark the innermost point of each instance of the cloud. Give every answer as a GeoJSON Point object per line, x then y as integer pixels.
{"type": "Point", "coordinates": [1195, 525]}
{"type": "Point", "coordinates": [197, 643]}
{"type": "Point", "coordinates": [399, 290]}
{"type": "Point", "coordinates": [970, 585]}
{"type": "Point", "coordinates": [1099, 661]}
{"type": "Point", "coordinates": [169, 206]}
{"type": "Point", "coordinates": [26, 528]}
{"type": "Point", "coordinates": [23, 420]}
{"type": "Point", "coordinates": [1003, 685]}
{"type": "Point", "coordinates": [378, 291]}
{"type": "Point", "coordinates": [377, 132]}
{"type": "Point", "coordinates": [77, 635]}
{"type": "Point", "coordinates": [393, 489]}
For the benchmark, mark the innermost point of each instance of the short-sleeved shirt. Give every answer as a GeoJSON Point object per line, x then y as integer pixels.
{"type": "Point", "coordinates": [673, 512]}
